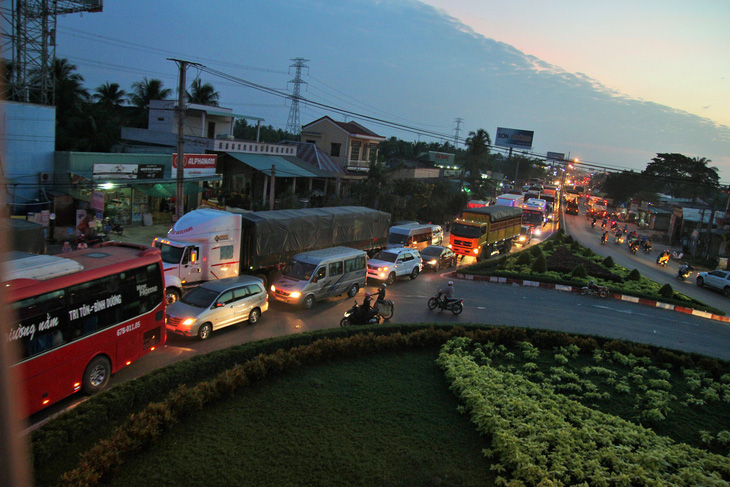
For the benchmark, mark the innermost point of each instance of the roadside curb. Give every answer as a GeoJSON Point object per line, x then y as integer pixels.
{"type": "Point", "coordinates": [575, 289]}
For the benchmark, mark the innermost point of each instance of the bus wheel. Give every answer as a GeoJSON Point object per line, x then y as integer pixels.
{"type": "Point", "coordinates": [96, 375]}
{"type": "Point", "coordinates": [171, 295]}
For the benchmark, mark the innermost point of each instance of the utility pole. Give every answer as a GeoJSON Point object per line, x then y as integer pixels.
{"type": "Point", "coordinates": [180, 110]}
{"type": "Point", "coordinates": [272, 180]}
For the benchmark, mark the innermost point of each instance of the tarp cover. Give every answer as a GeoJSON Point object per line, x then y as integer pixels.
{"type": "Point", "coordinates": [27, 236]}
{"type": "Point", "coordinates": [496, 212]}
{"type": "Point", "coordinates": [272, 237]}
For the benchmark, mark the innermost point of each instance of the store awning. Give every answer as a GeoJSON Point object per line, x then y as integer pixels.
{"type": "Point", "coordinates": [168, 190]}
{"type": "Point", "coordinates": [282, 167]}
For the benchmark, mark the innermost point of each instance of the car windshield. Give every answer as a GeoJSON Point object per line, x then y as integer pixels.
{"type": "Point", "coordinates": [434, 251]}
{"type": "Point", "coordinates": [386, 256]}
{"type": "Point", "coordinates": [170, 254]}
{"type": "Point", "coordinates": [396, 238]}
{"type": "Point", "coordinates": [299, 270]}
{"type": "Point", "coordinates": [200, 297]}
{"type": "Point", "coordinates": [465, 231]}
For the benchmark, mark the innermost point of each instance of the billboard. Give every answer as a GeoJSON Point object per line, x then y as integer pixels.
{"type": "Point", "coordinates": [517, 139]}
{"type": "Point", "coordinates": [555, 157]}
{"type": "Point", "coordinates": [196, 165]}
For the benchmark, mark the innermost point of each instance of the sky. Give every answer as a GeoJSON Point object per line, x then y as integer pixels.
{"type": "Point", "coordinates": [613, 83]}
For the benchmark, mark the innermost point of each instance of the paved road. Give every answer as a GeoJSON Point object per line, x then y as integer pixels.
{"type": "Point", "coordinates": [579, 227]}
{"type": "Point", "coordinates": [484, 303]}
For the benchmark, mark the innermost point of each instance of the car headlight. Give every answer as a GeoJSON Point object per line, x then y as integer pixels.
{"type": "Point", "coordinates": [189, 321]}
{"type": "Point", "coordinates": [432, 262]}
{"type": "Point", "coordinates": [522, 238]}
{"type": "Point", "coordinates": [273, 288]}
{"type": "Point", "coordinates": [295, 294]}
{"type": "Point", "coordinates": [538, 231]}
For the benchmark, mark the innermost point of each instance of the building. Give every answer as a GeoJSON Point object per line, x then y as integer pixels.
{"type": "Point", "coordinates": [348, 144]}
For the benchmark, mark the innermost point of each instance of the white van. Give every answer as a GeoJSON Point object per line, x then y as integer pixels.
{"type": "Point", "coordinates": [413, 235]}
{"type": "Point", "coordinates": [319, 274]}
{"type": "Point", "coordinates": [438, 235]}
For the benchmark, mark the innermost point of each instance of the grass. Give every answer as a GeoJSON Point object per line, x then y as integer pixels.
{"type": "Point", "coordinates": [379, 420]}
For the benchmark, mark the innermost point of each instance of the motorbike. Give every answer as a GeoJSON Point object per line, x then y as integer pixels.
{"type": "Point", "coordinates": [604, 239]}
{"type": "Point", "coordinates": [619, 239]}
{"type": "Point", "coordinates": [594, 289]}
{"type": "Point", "coordinates": [684, 272]}
{"type": "Point", "coordinates": [634, 246]}
{"type": "Point", "coordinates": [385, 308]}
{"type": "Point", "coordinates": [111, 227]}
{"type": "Point", "coordinates": [647, 247]}
{"type": "Point", "coordinates": [593, 225]}
{"type": "Point", "coordinates": [456, 306]}
{"type": "Point", "coordinates": [89, 240]}
{"type": "Point", "coordinates": [354, 316]}
{"type": "Point", "coordinates": [663, 259]}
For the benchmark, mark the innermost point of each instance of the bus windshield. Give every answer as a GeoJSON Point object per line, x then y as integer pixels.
{"type": "Point", "coordinates": [465, 231]}
{"type": "Point", "coordinates": [532, 217]}
{"type": "Point", "coordinates": [300, 271]}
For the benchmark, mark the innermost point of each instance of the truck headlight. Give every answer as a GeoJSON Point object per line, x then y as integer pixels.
{"type": "Point", "coordinates": [476, 250]}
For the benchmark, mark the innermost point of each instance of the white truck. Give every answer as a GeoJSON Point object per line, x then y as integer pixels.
{"type": "Point", "coordinates": [509, 199]}
{"type": "Point", "coordinates": [209, 244]}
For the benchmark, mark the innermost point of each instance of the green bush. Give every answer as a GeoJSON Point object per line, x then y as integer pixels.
{"type": "Point", "coordinates": [666, 291]}
{"type": "Point", "coordinates": [540, 265]}
{"type": "Point", "coordinates": [635, 275]}
{"type": "Point", "coordinates": [579, 271]}
{"type": "Point", "coordinates": [549, 246]}
{"type": "Point", "coordinates": [502, 263]}
{"type": "Point", "coordinates": [523, 259]}
{"type": "Point", "coordinates": [575, 246]}
{"type": "Point", "coordinates": [608, 262]}
{"type": "Point", "coordinates": [568, 239]}
{"type": "Point", "coordinates": [536, 251]}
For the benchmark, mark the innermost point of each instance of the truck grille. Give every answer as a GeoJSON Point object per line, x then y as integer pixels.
{"type": "Point", "coordinates": [462, 243]}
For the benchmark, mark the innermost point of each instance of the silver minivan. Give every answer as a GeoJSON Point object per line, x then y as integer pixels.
{"type": "Point", "coordinates": [413, 235]}
{"type": "Point", "coordinates": [319, 274]}
{"type": "Point", "coordinates": [217, 304]}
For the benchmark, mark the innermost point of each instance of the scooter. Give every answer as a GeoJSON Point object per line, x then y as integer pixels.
{"type": "Point", "coordinates": [456, 306]}
{"type": "Point", "coordinates": [634, 246]}
{"type": "Point", "coordinates": [647, 247]}
{"type": "Point", "coordinates": [604, 239]}
{"type": "Point", "coordinates": [594, 289]}
{"type": "Point", "coordinates": [684, 272]}
{"type": "Point", "coordinates": [663, 259]}
{"type": "Point", "coordinates": [353, 316]}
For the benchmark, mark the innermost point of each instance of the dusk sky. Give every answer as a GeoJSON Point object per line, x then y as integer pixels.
{"type": "Point", "coordinates": [613, 83]}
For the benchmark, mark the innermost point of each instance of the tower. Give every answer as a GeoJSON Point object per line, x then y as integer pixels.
{"type": "Point", "coordinates": [29, 29]}
{"type": "Point", "coordinates": [293, 125]}
{"type": "Point", "coordinates": [458, 122]}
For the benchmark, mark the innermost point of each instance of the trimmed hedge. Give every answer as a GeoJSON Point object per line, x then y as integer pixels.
{"type": "Point", "coordinates": [172, 392]}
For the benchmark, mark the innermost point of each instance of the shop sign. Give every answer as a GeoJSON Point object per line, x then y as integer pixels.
{"type": "Point", "coordinates": [115, 171]}
{"type": "Point", "coordinates": [196, 165]}
{"type": "Point", "coordinates": [97, 200]}
{"type": "Point", "coordinates": [150, 171]}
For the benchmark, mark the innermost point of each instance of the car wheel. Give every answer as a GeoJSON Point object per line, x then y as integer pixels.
{"type": "Point", "coordinates": [308, 302]}
{"type": "Point", "coordinates": [204, 331]}
{"type": "Point", "coordinates": [171, 295]}
{"type": "Point", "coordinates": [97, 375]}
{"type": "Point", "coordinates": [700, 282]}
{"type": "Point", "coordinates": [391, 278]}
{"type": "Point", "coordinates": [353, 290]}
{"type": "Point", "coordinates": [414, 273]}
{"type": "Point", "coordinates": [436, 267]}
{"type": "Point", "coordinates": [253, 316]}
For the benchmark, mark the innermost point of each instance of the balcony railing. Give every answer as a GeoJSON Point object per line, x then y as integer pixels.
{"type": "Point", "coordinates": [352, 165]}
{"type": "Point", "coordinates": [228, 145]}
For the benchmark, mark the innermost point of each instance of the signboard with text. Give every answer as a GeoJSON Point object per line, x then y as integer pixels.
{"type": "Point", "coordinates": [196, 165]}
{"type": "Point", "coordinates": [128, 171]}
{"type": "Point", "coordinates": [517, 139]}
{"type": "Point", "coordinates": [555, 157]}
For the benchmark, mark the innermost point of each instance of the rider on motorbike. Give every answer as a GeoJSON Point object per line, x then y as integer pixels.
{"type": "Point", "coordinates": [448, 294]}
{"type": "Point", "coordinates": [604, 237]}
{"type": "Point", "coordinates": [685, 269]}
{"type": "Point", "coordinates": [365, 309]}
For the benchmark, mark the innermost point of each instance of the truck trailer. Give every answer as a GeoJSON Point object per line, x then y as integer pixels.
{"type": "Point", "coordinates": [508, 199]}
{"type": "Point", "coordinates": [207, 244]}
{"type": "Point", "coordinates": [482, 231]}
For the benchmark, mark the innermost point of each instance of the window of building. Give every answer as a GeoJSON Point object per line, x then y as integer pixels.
{"type": "Point", "coordinates": [335, 150]}
{"type": "Point", "coordinates": [355, 150]}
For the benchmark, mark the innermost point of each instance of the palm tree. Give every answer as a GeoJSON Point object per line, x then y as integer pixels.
{"type": "Point", "coordinates": [203, 94]}
{"type": "Point", "coordinates": [477, 155]}
{"type": "Point", "coordinates": [109, 95]}
{"type": "Point", "coordinates": [147, 90]}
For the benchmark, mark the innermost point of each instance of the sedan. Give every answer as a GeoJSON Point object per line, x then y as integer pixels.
{"type": "Point", "coordinates": [716, 279]}
{"type": "Point", "coordinates": [437, 256]}
{"type": "Point", "coordinates": [217, 304]}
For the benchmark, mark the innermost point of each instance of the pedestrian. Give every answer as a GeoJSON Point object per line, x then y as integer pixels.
{"type": "Point", "coordinates": [66, 247]}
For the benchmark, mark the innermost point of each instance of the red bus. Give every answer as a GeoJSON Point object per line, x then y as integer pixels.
{"type": "Point", "coordinates": [82, 316]}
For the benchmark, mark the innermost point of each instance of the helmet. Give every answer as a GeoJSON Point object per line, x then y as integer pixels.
{"type": "Point", "coordinates": [383, 286]}
{"type": "Point", "coordinates": [591, 282]}
{"type": "Point", "coordinates": [367, 295]}
{"type": "Point", "coordinates": [451, 283]}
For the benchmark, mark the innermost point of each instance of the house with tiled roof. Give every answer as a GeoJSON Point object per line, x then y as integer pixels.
{"type": "Point", "coordinates": [348, 144]}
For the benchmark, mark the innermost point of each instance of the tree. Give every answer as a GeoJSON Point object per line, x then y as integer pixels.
{"type": "Point", "coordinates": [71, 99]}
{"type": "Point", "coordinates": [477, 155]}
{"type": "Point", "coordinates": [203, 94]}
{"type": "Point", "coordinates": [682, 176]}
{"type": "Point", "coordinates": [623, 186]}
{"type": "Point", "coordinates": [147, 90]}
{"type": "Point", "coordinates": [109, 95]}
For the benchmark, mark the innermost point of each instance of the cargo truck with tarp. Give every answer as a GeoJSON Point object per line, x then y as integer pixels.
{"type": "Point", "coordinates": [480, 232]}
{"type": "Point", "coordinates": [208, 244]}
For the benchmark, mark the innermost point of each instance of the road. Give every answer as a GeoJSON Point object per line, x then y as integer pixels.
{"type": "Point", "coordinates": [484, 303]}
{"type": "Point", "coordinates": [579, 227]}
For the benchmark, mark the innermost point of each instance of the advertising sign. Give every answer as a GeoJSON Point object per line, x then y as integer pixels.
{"type": "Point", "coordinates": [97, 200]}
{"type": "Point", "coordinates": [555, 157]}
{"type": "Point", "coordinates": [115, 171]}
{"type": "Point", "coordinates": [150, 171]}
{"type": "Point", "coordinates": [196, 165]}
{"type": "Point", "coordinates": [518, 139]}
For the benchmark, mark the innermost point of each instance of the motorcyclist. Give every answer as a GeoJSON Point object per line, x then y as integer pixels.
{"type": "Point", "coordinates": [381, 294]}
{"type": "Point", "coordinates": [604, 224]}
{"type": "Point", "coordinates": [664, 257]}
{"type": "Point", "coordinates": [685, 269]}
{"type": "Point", "coordinates": [593, 222]}
{"type": "Point", "coordinates": [634, 245]}
{"type": "Point", "coordinates": [365, 309]}
{"type": "Point", "coordinates": [448, 294]}
{"type": "Point", "coordinates": [604, 237]}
